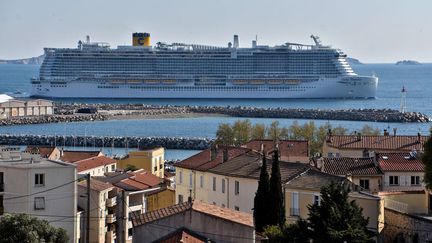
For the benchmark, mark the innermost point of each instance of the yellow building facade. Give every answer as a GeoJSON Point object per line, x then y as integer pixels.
{"type": "Point", "coordinates": [149, 160]}
{"type": "Point", "coordinates": [160, 199]}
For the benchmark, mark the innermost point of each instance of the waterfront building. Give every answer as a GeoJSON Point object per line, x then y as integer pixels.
{"type": "Point", "coordinates": [39, 187]}
{"type": "Point", "coordinates": [360, 146]}
{"type": "Point", "coordinates": [194, 221]}
{"type": "Point", "coordinates": [96, 166]}
{"type": "Point", "coordinates": [49, 152]}
{"type": "Point", "coordinates": [11, 107]}
{"type": "Point", "coordinates": [150, 160]}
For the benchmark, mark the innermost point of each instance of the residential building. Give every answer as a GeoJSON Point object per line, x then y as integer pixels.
{"type": "Point", "coordinates": [11, 107]}
{"type": "Point", "coordinates": [201, 222]}
{"type": "Point", "coordinates": [39, 187]}
{"type": "Point", "coordinates": [364, 172]}
{"type": "Point", "coordinates": [49, 152]}
{"type": "Point", "coordinates": [191, 173]}
{"type": "Point", "coordinates": [141, 192]}
{"type": "Point", "coordinates": [96, 166]}
{"type": "Point", "coordinates": [360, 146]}
{"type": "Point", "coordinates": [72, 156]}
{"type": "Point", "coordinates": [304, 190]}
{"type": "Point", "coordinates": [103, 205]}
{"type": "Point", "coordinates": [290, 150]}
{"type": "Point", "coordinates": [150, 160]}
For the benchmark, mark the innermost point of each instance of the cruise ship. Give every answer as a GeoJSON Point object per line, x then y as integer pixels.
{"type": "Point", "coordinates": [179, 70]}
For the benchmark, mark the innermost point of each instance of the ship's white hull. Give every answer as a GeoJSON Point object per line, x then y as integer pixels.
{"type": "Point", "coordinates": [348, 87]}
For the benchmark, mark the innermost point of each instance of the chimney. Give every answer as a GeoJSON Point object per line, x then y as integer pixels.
{"type": "Point", "coordinates": [418, 137]}
{"type": "Point", "coordinates": [394, 131]}
{"type": "Point", "coordinates": [213, 152]}
{"type": "Point", "coordinates": [359, 138]}
{"type": "Point", "coordinates": [225, 154]}
{"type": "Point", "coordinates": [236, 41]}
{"type": "Point", "coordinates": [88, 39]}
{"type": "Point", "coordinates": [385, 132]}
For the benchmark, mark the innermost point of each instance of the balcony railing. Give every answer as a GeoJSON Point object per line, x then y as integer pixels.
{"type": "Point", "coordinates": [110, 218]}
{"type": "Point", "coordinates": [110, 202]}
{"type": "Point", "coordinates": [395, 205]}
{"type": "Point", "coordinates": [295, 211]}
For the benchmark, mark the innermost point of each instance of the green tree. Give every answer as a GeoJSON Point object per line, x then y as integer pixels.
{"type": "Point", "coordinates": [260, 212]}
{"type": "Point", "coordinates": [276, 210]}
{"type": "Point", "coordinates": [27, 229]}
{"type": "Point", "coordinates": [225, 135]}
{"type": "Point", "coordinates": [427, 161]}
{"type": "Point", "coordinates": [289, 233]}
{"type": "Point", "coordinates": [130, 167]}
{"type": "Point", "coordinates": [336, 219]}
{"type": "Point", "coordinates": [242, 131]}
{"type": "Point", "coordinates": [258, 131]}
{"type": "Point", "coordinates": [369, 130]}
{"type": "Point", "coordinates": [274, 131]}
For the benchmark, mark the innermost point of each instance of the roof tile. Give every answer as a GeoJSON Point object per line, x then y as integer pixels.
{"type": "Point", "coordinates": [353, 166]}
{"type": "Point", "coordinates": [400, 162]}
{"type": "Point", "coordinates": [381, 142]}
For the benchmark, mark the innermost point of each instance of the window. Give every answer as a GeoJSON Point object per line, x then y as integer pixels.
{"type": "Point", "coordinates": [223, 185]}
{"type": "Point", "coordinates": [39, 203]}
{"type": "Point", "coordinates": [160, 166]}
{"type": "Point", "coordinates": [106, 169]}
{"type": "Point", "coordinates": [113, 168]}
{"type": "Point", "coordinates": [214, 183]}
{"type": "Point", "coordinates": [180, 177]}
{"type": "Point", "coordinates": [201, 181]}
{"type": "Point", "coordinates": [364, 184]}
{"type": "Point", "coordinates": [236, 208]}
{"type": "Point", "coordinates": [295, 210]}
{"type": "Point", "coordinates": [329, 155]}
{"type": "Point", "coordinates": [1, 182]}
{"type": "Point", "coordinates": [316, 199]}
{"type": "Point", "coordinates": [237, 187]}
{"type": "Point", "coordinates": [393, 180]}
{"type": "Point", "coordinates": [190, 179]}
{"type": "Point", "coordinates": [180, 198]}
{"type": "Point", "coordinates": [130, 232]}
{"type": "Point", "coordinates": [415, 180]}
{"type": "Point", "coordinates": [39, 180]}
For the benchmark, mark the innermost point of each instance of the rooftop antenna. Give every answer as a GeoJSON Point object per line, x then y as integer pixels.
{"type": "Point", "coordinates": [403, 100]}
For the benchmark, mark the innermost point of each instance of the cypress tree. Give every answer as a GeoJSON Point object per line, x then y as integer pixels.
{"type": "Point", "coordinates": [427, 161]}
{"type": "Point", "coordinates": [260, 212]}
{"type": "Point", "coordinates": [275, 205]}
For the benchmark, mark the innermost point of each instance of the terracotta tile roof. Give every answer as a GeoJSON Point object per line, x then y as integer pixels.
{"type": "Point", "coordinates": [168, 174]}
{"type": "Point", "coordinates": [399, 143]}
{"type": "Point", "coordinates": [205, 208]}
{"type": "Point", "coordinates": [314, 179]}
{"type": "Point", "coordinates": [183, 235]}
{"type": "Point", "coordinates": [73, 156]}
{"type": "Point", "coordinates": [96, 185]}
{"type": "Point", "coordinates": [44, 152]}
{"type": "Point", "coordinates": [287, 148]}
{"type": "Point", "coordinates": [160, 213]}
{"type": "Point", "coordinates": [400, 162]}
{"type": "Point", "coordinates": [94, 162]}
{"type": "Point", "coordinates": [224, 213]}
{"type": "Point", "coordinates": [249, 165]}
{"type": "Point", "coordinates": [353, 166]}
{"type": "Point", "coordinates": [202, 162]}
{"type": "Point", "coordinates": [133, 181]}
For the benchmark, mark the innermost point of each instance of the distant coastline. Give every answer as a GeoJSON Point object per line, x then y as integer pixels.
{"type": "Point", "coordinates": [32, 60]}
{"type": "Point", "coordinates": [353, 61]}
{"type": "Point", "coordinates": [408, 62]}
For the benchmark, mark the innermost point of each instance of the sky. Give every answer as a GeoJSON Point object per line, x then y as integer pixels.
{"type": "Point", "coordinates": [374, 31]}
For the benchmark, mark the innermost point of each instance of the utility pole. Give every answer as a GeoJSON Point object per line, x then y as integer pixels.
{"type": "Point", "coordinates": [88, 210]}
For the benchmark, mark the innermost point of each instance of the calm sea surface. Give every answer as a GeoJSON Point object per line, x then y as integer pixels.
{"type": "Point", "coordinates": [14, 80]}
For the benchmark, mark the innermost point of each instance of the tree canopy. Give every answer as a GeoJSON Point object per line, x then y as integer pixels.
{"type": "Point", "coordinates": [27, 229]}
{"type": "Point", "coordinates": [427, 161]}
{"type": "Point", "coordinates": [276, 210]}
{"type": "Point", "coordinates": [260, 212]}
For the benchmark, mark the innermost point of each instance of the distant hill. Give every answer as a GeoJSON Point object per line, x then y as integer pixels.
{"type": "Point", "coordinates": [408, 62]}
{"type": "Point", "coordinates": [32, 60]}
{"type": "Point", "coordinates": [353, 60]}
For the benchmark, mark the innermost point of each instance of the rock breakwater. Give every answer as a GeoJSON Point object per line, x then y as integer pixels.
{"type": "Point", "coordinates": [105, 141]}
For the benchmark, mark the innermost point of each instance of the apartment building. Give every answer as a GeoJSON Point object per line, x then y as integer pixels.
{"type": "Point", "coordinates": [150, 160]}
{"type": "Point", "coordinates": [96, 166]}
{"type": "Point", "coordinates": [39, 187]}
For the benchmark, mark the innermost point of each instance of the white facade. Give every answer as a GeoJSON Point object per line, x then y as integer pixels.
{"type": "Point", "coordinates": [100, 170]}
{"type": "Point", "coordinates": [41, 188]}
{"type": "Point", "coordinates": [403, 181]}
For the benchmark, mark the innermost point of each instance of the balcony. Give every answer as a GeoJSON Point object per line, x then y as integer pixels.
{"type": "Point", "coordinates": [111, 202]}
{"type": "Point", "coordinates": [110, 218]}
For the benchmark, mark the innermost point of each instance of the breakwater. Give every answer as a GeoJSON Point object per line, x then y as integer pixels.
{"type": "Point", "coordinates": [375, 115]}
{"type": "Point", "coordinates": [107, 141]}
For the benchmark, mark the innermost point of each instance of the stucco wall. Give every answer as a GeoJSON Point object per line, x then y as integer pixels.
{"type": "Point", "coordinates": [407, 227]}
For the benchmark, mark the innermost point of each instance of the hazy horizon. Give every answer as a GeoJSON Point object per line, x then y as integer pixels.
{"type": "Point", "coordinates": [371, 31]}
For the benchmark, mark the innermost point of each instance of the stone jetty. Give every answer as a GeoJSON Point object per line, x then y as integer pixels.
{"type": "Point", "coordinates": [105, 141]}
{"type": "Point", "coordinates": [67, 113]}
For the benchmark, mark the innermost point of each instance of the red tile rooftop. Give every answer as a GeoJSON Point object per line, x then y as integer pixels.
{"type": "Point", "coordinates": [96, 185]}
{"type": "Point", "coordinates": [381, 142]}
{"type": "Point", "coordinates": [138, 180]}
{"type": "Point", "coordinates": [94, 162]}
{"type": "Point", "coordinates": [202, 161]}
{"type": "Point", "coordinates": [73, 156]}
{"type": "Point", "coordinates": [287, 148]}
{"type": "Point", "coordinates": [44, 152]}
{"type": "Point", "coordinates": [400, 162]}
{"type": "Point", "coordinates": [353, 166]}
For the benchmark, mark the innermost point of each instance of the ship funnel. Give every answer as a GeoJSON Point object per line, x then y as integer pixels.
{"type": "Point", "coordinates": [141, 39]}
{"type": "Point", "coordinates": [88, 39]}
{"type": "Point", "coordinates": [236, 41]}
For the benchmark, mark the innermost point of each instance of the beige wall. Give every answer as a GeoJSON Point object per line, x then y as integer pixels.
{"type": "Point", "coordinates": [37, 107]}
{"type": "Point", "coordinates": [100, 170]}
{"type": "Point", "coordinates": [417, 203]}
{"type": "Point", "coordinates": [404, 181]}
{"type": "Point", "coordinates": [373, 207]}
{"type": "Point", "coordinates": [374, 182]}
